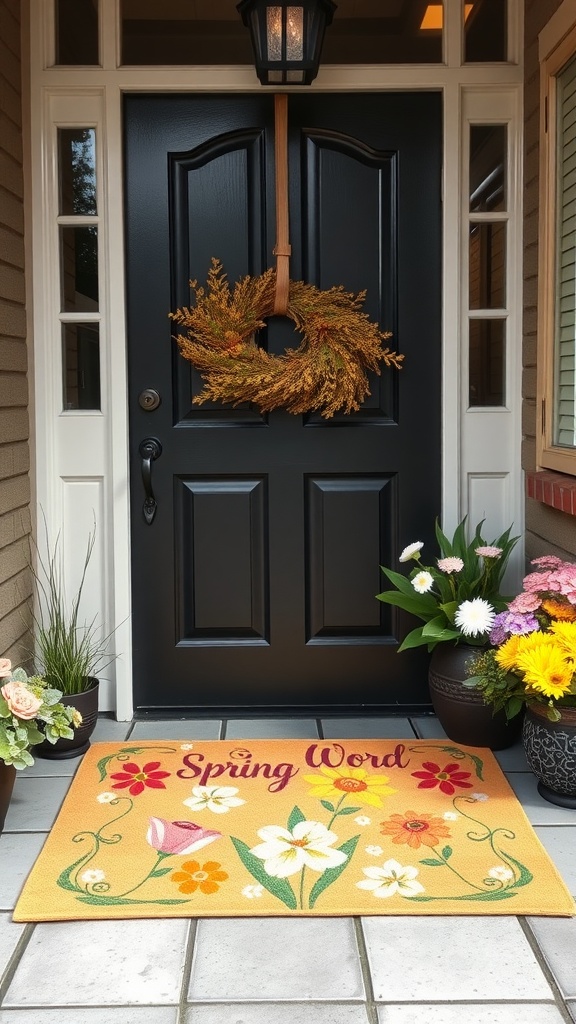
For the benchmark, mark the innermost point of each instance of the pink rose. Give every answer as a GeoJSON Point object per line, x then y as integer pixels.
{"type": "Point", "coordinates": [5, 668]}
{"type": "Point", "coordinates": [178, 836]}
{"type": "Point", "coordinates": [21, 701]}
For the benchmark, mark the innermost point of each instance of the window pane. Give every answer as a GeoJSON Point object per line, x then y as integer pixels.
{"type": "Point", "coordinates": [485, 31]}
{"type": "Point", "coordinates": [77, 170]}
{"type": "Point", "coordinates": [487, 167]}
{"type": "Point", "coordinates": [487, 371]}
{"type": "Point", "coordinates": [211, 32]}
{"type": "Point", "coordinates": [565, 327]}
{"type": "Point", "coordinates": [79, 269]}
{"type": "Point", "coordinates": [77, 32]}
{"type": "Point", "coordinates": [487, 265]}
{"type": "Point", "coordinates": [81, 366]}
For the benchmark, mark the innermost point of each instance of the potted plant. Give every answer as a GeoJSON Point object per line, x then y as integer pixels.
{"type": "Point", "coordinates": [31, 712]}
{"type": "Point", "coordinates": [457, 599]}
{"type": "Point", "coordinates": [532, 666]}
{"type": "Point", "coordinates": [68, 651]}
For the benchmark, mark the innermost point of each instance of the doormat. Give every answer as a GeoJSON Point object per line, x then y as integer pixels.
{"type": "Point", "coordinates": [290, 827]}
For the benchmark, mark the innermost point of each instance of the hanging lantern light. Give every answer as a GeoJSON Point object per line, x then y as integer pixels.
{"type": "Point", "coordinates": [287, 38]}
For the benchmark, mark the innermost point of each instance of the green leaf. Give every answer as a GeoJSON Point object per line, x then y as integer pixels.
{"type": "Point", "coordinates": [279, 887]}
{"type": "Point", "coordinates": [160, 871]}
{"type": "Point", "coordinates": [431, 862]}
{"type": "Point", "coordinates": [525, 875]}
{"type": "Point", "coordinates": [331, 874]}
{"type": "Point", "coordinates": [447, 852]}
{"type": "Point", "coordinates": [118, 901]}
{"type": "Point", "coordinates": [409, 603]}
{"type": "Point", "coordinates": [329, 807]}
{"type": "Point", "coordinates": [295, 817]}
{"type": "Point", "coordinates": [349, 810]}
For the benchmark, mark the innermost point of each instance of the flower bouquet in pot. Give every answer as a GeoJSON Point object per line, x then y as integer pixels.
{"type": "Point", "coordinates": [31, 712]}
{"type": "Point", "coordinates": [457, 598]}
{"type": "Point", "coordinates": [532, 666]}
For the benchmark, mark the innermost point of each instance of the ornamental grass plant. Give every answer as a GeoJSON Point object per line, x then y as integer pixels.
{"type": "Point", "coordinates": [533, 657]}
{"type": "Point", "coordinates": [30, 712]}
{"type": "Point", "coordinates": [458, 596]}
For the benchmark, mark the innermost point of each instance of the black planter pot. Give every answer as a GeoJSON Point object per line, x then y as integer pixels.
{"type": "Point", "coordinates": [7, 779]}
{"type": "Point", "coordinates": [551, 753]}
{"type": "Point", "coordinates": [87, 704]}
{"type": "Point", "coordinates": [461, 711]}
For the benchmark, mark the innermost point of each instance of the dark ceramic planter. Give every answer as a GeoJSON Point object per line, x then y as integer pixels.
{"type": "Point", "coordinates": [87, 704]}
{"type": "Point", "coordinates": [551, 753]}
{"type": "Point", "coordinates": [461, 711]}
{"type": "Point", "coordinates": [7, 779]}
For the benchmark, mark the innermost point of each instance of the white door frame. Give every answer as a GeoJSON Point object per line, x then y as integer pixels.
{"type": "Point", "coordinates": [81, 458]}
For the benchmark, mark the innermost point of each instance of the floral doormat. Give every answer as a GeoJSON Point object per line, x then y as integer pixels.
{"type": "Point", "coordinates": [281, 827]}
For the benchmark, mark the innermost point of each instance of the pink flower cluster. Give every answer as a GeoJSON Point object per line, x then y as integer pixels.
{"type": "Point", "coordinates": [554, 577]}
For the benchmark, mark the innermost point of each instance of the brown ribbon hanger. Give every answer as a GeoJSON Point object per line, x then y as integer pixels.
{"type": "Point", "coordinates": [282, 250]}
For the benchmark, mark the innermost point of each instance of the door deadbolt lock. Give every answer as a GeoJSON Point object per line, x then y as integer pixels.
{"type": "Point", "coordinates": [149, 399]}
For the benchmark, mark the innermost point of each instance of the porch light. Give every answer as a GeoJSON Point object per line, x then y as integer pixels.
{"type": "Point", "coordinates": [287, 38]}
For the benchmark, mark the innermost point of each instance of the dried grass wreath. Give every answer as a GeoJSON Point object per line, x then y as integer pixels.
{"type": "Point", "coordinates": [327, 372]}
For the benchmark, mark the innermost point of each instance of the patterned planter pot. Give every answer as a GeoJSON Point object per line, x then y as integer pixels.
{"type": "Point", "coordinates": [461, 711]}
{"type": "Point", "coordinates": [551, 753]}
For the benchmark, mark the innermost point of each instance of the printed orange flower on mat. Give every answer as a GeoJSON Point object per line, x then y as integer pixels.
{"type": "Point", "coordinates": [136, 779]}
{"type": "Point", "coordinates": [193, 876]}
{"type": "Point", "coordinates": [415, 829]}
{"type": "Point", "coordinates": [355, 782]}
{"type": "Point", "coordinates": [448, 779]}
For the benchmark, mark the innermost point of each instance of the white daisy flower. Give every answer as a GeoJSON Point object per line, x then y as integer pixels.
{"type": "Point", "coordinates": [252, 892]}
{"type": "Point", "coordinates": [307, 845]}
{"type": "Point", "coordinates": [186, 746]}
{"type": "Point", "coordinates": [474, 617]}
{"type": "Point", "coordinates": [93, 876]}
{"type": "Point", "coordinates": [362, 820]}
{"type": "Point", "coordinates": [411, 551]}
{"type": "Point", "coordinates": [423, 582]}
{"type": "Point", "coordinates": [480, 797]}
{"type": "Point", "coordinates": [374, 851]}
{"type": "Point", "coordinates": [502, 873]}
{"type": "Point", "coordinates": [218, 799]}
{"type": "Point", "coordinates": [450, 816]}
{"type": "Point", "coordinates": [106, 798]}
{"type": "Point", "coordinates": [390, 879]}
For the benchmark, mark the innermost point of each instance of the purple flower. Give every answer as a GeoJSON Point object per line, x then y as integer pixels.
{"type": "Point", "coordinates": [509, 622]}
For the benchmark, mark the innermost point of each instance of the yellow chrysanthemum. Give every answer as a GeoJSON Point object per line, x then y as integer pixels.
{"type": "Point", "coordinates": [534, 642]}
{"type": "Point", "coordinates": [559, 609]}
{"type": "Point", "coordinates": [565, 633]}
{"type": "Point", "coordinates": [547, 671]}
{"type": "Point", "coordinates": [355, 782]}
{"type": "Point", "coordinates": [506, 654]}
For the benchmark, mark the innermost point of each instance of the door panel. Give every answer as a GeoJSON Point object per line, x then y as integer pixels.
{"type": "Point", "coordinates": [254, 586]}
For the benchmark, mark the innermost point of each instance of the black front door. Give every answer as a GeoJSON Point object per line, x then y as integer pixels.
{"type": "Point", "coordinates": [254, 586]}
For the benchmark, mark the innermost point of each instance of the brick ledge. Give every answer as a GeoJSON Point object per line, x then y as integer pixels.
{"type": "Point", "coordinates": [554, 489]}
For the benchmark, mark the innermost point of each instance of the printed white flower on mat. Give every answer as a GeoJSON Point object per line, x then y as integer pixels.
{"type": "Point", "coordinates": [93, 876]}
{"type": "Point", "coordinates": [218, 799]}
{"type": "Point", "coordinates": [186, 746]}
{"type": "Point", "coordinates": [503, 874]}
{"type": "Point", "coordinates": [374, 851]}
{"type": "Point", "coordinates": [390, 879]}
{"type": "Point", "coordinates": [307, 845]}
{"type": "Point", "coordinates": [252, 891]}
{"type": "Point", "coordinates": [362, 820]}
{"type": "Point", "coordinates": [106, 798]}
{"type": "Point", "coordinates": [480, 797]}
{"type": "Point", "coordinates": [450, 816]}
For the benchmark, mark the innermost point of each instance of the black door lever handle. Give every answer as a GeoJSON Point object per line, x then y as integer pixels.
{"type": "Point", "coordinates": [150, 449]}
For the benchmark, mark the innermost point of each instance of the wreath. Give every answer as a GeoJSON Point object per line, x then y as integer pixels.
{"type": "Point", "coordinates": [328, 370]}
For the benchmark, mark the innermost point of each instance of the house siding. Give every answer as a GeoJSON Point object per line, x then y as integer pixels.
{"type": "Point", "coordinates": [15, 581]}
{"type": "Point", "coordinates": [548, 530]}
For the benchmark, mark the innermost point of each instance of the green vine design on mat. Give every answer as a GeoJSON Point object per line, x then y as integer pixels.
{"type": "Point", "coordinates": [506, 880]}
{"type": "Point", "coordinates": [89, 886]}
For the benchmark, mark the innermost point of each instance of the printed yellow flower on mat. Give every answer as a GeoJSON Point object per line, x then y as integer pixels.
{"type": "Point", "coordinates": [390, 879]}
{"type": "Point", "coordinates": [194, 876]}
{"type": "Point", "coordinates": [356, 782]}
{"type": "Point", "coordinates": [307, 845]}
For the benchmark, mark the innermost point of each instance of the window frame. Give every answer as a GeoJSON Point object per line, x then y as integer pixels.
{"type": "Point", "coordinates": [557, 49]}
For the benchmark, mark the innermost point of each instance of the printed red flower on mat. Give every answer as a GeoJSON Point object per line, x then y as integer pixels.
{"type": "Point", "coordinates": [448, 779]}
{"type": "Point", "coordinates": [138, 778]}
{"type": "Point", "coordinates": [194, 876]}
{"type": "Point", "coordinates": [415, 829]}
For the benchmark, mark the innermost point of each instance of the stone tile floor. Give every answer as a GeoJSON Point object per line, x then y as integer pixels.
{"type": "Point", "coordinates": [375, 970]}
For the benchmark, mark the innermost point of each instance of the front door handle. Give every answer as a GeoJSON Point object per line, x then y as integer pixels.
{"type": "Point", "coordinates": [150, 449]}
